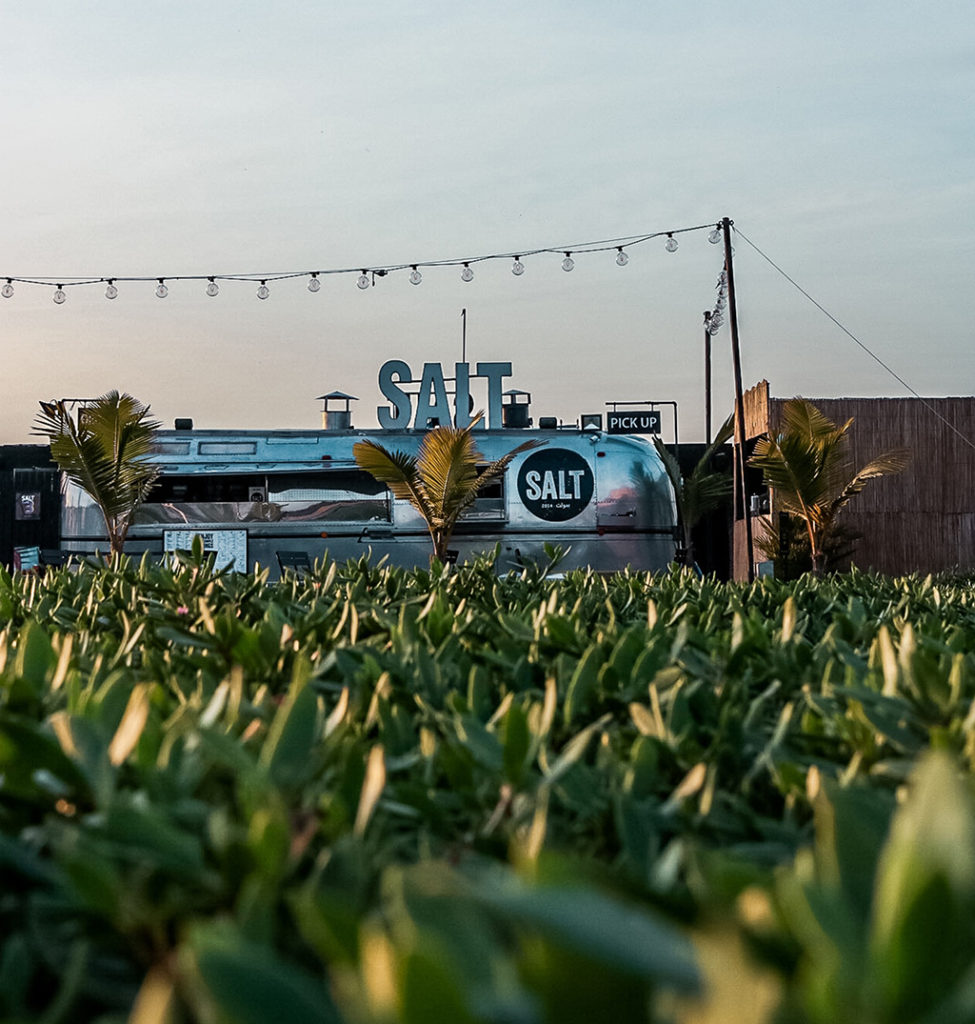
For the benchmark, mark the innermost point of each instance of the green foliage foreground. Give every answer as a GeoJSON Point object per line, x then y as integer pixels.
{"type": "Point", "coordinates": [372, 795]}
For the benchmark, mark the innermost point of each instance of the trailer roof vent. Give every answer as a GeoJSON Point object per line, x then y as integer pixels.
{"type": "Point", "coordinates": [515, 405]}
{"type": "Point", "coordinates": [548, 423]}
{"type": "Point", "coordinates": [336, 411]}
{"type": "Point", "coordinates": [183, 423]}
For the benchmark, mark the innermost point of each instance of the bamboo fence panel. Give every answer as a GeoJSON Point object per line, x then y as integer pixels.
{"type": "Point", "coordinates": [920, 520]}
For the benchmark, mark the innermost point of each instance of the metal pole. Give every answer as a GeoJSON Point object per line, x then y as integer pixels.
{"type": "Point", "coordinates": [739, 400]}
{"type": "Point", "coordinates": [463, 336]}
{"type": "Point", "coordinates": [707, 376]}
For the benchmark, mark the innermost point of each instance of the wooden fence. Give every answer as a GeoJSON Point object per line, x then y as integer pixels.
{"type": "Point", "coordinates": [921, 520]}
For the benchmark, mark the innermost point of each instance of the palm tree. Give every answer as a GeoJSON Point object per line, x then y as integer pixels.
{"type": "Point", "coordinates": [699, 493]}
{"type": "Point", "coordinates": [783, 540]}
{"type": "Point", "coordinates": [810, 470]}
{"type": "Point", "coordinates": [103, 451]}
{"type": "Point", "coordinates": [441, 481]}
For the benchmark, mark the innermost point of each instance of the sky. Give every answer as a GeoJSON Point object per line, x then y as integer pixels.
{"type": "Point", "coordinates": [257, 139]}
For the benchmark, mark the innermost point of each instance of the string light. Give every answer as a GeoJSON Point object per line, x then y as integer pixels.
{"type": "Point", "coordinates": [263, 292]}
{"type": "Point", "coordinates": [716, 318]}
{"type": "Point", "coordinates": [367, 277]}
{"type": "Point", "coordinates": [59, 295]}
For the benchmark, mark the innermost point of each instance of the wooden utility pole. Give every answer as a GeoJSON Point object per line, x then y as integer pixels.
{"type": "Point", "coordinates": [741, 493]}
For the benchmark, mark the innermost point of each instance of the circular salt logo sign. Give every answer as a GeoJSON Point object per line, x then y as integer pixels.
{"type": "Point", "coordinates": [555, 484]}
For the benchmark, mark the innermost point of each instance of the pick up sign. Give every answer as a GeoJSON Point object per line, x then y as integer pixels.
{"type": "Point", "coordinates": [625, 421]}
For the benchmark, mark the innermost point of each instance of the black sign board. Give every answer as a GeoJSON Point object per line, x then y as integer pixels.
{"type": "Point", "coordinates": [27, 505]}
{"type": "Point", "coordinates": [555, 484]}
{"type": "Point", "coordinates": [628, 421]}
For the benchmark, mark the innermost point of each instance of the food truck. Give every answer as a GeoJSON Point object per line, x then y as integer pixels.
{"type": "Point", "coordinates": [287, 497]}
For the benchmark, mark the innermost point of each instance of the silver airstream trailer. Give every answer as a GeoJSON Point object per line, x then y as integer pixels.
{"type": "Point", "coordinates": [255, 494]}
{"type": "Point", "coordinates": [278, 497]}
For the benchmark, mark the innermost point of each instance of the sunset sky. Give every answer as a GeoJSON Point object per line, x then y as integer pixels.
{"type": "Point", "coordinates": [147, 141]}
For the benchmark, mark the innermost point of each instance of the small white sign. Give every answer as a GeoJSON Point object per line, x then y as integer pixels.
{"type": "Point", "coordinates": [230, 546]}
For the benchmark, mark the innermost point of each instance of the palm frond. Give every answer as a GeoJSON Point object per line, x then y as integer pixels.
{"type": "Point", "coordinates": [670, 464]}
{"type": "Point", "coordinates": [396, 469]}
{"type": "Point", "coordinates": [703, 494]}
{"type": "Point", "coordinates": [447, 466]}
{"type": "Point", "coordinates": [719, 440]}
{"type": "Point", "coordinates": [495, 470]}
{"type": "Point", "coordinates": [787, 470]}
{"type": "Point", "coordinates": [802, 418]}
{"type": "Point", "coordinates": [704, 489]}
{"type": "Point", "coordinates": [894, 461]}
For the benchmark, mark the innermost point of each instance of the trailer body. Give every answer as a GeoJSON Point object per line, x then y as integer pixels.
{"type": "Point", "coordinates": [253, 494]}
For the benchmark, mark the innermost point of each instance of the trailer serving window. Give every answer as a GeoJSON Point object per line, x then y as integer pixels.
{"type": "Point", "coordinates": [489, 504]}
{"type": "Point", "coordinates": [349, 495]}
{"type": "Point", "coordinates": [341, 495]}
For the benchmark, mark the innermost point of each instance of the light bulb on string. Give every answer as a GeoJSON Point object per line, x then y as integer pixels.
{"type": "Point", "coordinates": [621, 257]}
{"type": "Point", "coordinates": [415, 276]}
{"type": "Point", "coordinates": [568, 263]}
{"type": "Point", "coordinates": [213, 289]}
{"type": "Point", "coordinates": [161, 290]}
{"type": "Point", "coordinates": [313, 283]}
{"type": "Point", "coordinates": [111, 292]}
{"type": "Point", "coordinates": [263, 291]}
{"type": "Point", "coordinates": [517, 268]}
{"type": "Point", "coordinates": [8, 289]}
{"type": "Point", "coordinates": [715, 235]}
{"type": "Point", "coordinates": [467, 274]}
{"type": "Point", "coordinates": [363, 281]}
{"type": "Point", "coordinates": [59, 295]}
{"type": "Point", "coordinates": [671, 244]}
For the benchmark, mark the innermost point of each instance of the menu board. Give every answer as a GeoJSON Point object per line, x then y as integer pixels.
{"type": "Point", "coordinates": [229, 546]}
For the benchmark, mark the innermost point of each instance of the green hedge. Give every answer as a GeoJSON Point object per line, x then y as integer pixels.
{"type": "Point", "coordinates": [373, 795]}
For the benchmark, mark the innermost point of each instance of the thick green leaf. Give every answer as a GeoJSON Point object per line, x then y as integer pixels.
{"type": "Point", "coordinates": [598, 927]}
{"type": "Point", "coordinates": [286, 753]}
{"type": "Point", "coordinates": [35, 657]}
{"type": "Point", "coordinates": [251, 984]}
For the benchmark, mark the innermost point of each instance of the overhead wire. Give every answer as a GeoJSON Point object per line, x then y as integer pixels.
{"type": "Point", "coordinates": [873, 355]}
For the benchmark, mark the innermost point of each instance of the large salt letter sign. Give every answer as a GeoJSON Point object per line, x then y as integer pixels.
{"type": "Point", "coordinates": [400, 419]}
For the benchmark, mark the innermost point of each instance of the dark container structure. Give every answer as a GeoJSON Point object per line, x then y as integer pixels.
{"type": "Point", "coordinates": [30, 500]}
